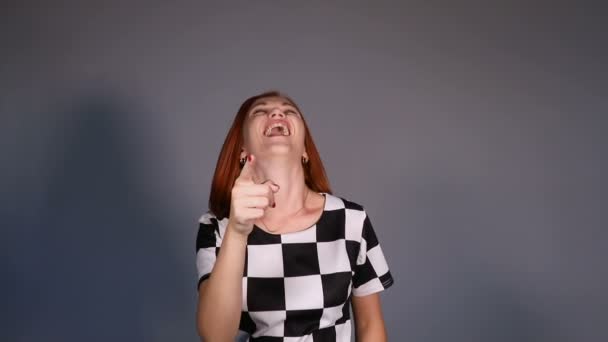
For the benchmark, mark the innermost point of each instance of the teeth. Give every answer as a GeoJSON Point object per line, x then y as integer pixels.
{"type": "Point", "coordinates": [278, 124]}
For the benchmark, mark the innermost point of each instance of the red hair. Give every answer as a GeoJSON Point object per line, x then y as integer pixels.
{"type": "Point", "coordinates": [228, 167]}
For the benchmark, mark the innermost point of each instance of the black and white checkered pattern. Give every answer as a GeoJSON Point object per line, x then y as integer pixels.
{"type": "Point", "coordinates": [298, 286]}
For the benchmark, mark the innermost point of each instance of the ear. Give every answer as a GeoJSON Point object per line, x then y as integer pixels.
{"type": "Point", "coordinates": [305, 158]}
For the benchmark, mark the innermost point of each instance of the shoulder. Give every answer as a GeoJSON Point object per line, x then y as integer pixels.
{"type": "Point", "coordinates": [349, 213]}
{"type": "Point", "coordinates": [339, 202]}
{"type": "Point", "coordinates": [209, 218]}
{"type": "Point", "coordinates": [209, 223]}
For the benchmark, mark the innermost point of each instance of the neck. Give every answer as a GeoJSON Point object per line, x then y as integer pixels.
{"type": "Point", "coordinates": [289, 176]}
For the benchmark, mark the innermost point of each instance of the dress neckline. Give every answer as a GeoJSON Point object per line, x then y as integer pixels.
{"type": "Point", "coordinates": [255, 226]}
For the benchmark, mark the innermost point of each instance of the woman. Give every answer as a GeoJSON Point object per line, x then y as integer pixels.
{"type": "Point", "coordinates": [279, 256]}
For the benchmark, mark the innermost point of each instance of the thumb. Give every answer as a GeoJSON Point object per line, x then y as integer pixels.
{"type": "Point", "coordinates": [273, 186]}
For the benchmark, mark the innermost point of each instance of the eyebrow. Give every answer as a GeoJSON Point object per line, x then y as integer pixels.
{"type": "Point", "coordinates": [262, 103]}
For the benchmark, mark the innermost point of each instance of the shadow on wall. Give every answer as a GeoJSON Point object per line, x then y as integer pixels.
{"type": "Point", "coordinates": [92, 263]}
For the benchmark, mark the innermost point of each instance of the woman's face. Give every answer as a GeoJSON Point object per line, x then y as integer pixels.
{"type": "Point", "coordinates": [274, 126]}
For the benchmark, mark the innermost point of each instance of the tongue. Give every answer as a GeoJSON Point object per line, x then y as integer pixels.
{"type": "Point", "coordinates": [275, 131]}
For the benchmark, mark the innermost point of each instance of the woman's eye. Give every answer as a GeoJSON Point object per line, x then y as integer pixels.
{"type": "Point", "coordinates": [258, 112]}
{"type": "Point", "coordinates": [291, 112]}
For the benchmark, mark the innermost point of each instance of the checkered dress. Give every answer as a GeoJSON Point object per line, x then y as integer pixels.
{"type": "Point", "coordinates": [298, 286]}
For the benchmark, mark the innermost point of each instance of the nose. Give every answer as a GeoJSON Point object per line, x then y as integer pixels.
{"type": "Point", "coordinates": [277, 113]}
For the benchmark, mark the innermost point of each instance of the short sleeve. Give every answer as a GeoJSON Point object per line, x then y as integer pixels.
{"type": "Point", "coordinates": [208, 241]}
{"type": "Point", "coordinates": [371, 271]}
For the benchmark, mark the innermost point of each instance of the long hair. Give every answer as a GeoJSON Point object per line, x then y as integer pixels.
{"type": "Point", "coordinates": [228, 167]}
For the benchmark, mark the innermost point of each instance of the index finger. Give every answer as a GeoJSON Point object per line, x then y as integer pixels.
{"type": "Point", "coordinates": [248, 170]}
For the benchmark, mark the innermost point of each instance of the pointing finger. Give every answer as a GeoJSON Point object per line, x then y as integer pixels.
{"type": "Point", "coordinates": [248, 170]}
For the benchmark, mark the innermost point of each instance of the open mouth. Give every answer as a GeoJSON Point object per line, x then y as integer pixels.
{"type": "Point", "coordinates": [277, 129]}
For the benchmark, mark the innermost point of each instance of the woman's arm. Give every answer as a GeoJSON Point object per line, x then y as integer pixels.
{"type": "Point", "coordinates": [220, 296]}
{"type": "Point", "coordinates": [369, 323]}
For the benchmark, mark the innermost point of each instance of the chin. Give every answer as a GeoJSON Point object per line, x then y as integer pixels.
{"type": "Point", "coordinates": [279, 146]}
{"type": "Point", "coordinates": [279, 149]}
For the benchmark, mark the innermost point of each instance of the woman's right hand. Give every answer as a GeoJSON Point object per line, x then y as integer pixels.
{"type": "Point", "coordinates": [249, 200]}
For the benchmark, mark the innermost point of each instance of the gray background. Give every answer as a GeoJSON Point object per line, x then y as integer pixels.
{"type": "Point", "coordinates": [473, 133]}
